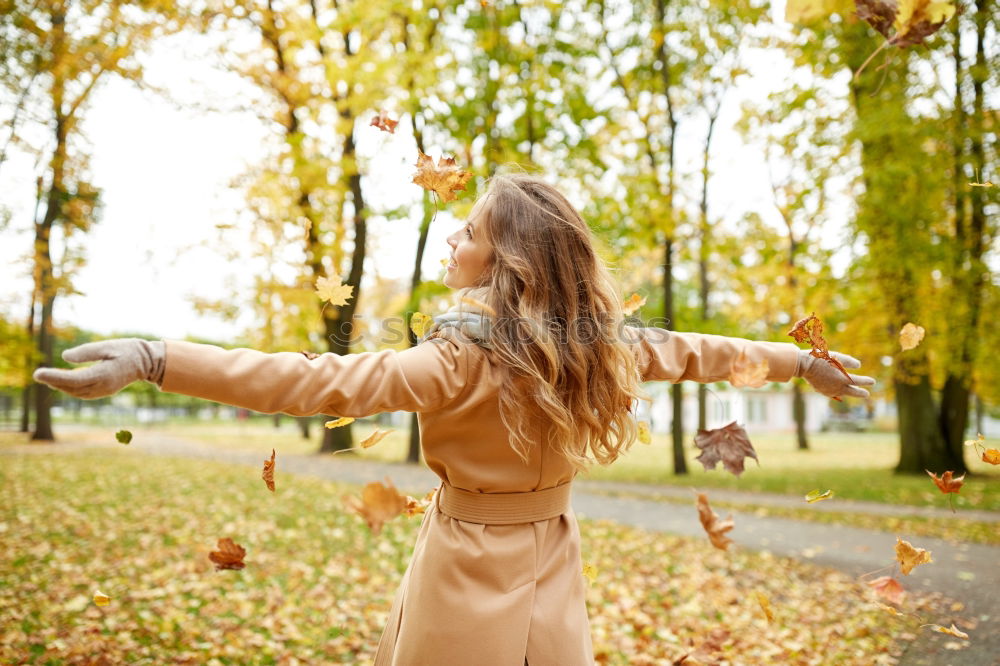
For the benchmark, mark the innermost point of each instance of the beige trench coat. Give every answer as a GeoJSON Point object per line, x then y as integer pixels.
{"type": "Point", "coordinates": [490, 595]}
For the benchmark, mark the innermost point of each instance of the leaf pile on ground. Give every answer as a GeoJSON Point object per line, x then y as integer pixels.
{"type": "Point", "coordinates": [317, 584]}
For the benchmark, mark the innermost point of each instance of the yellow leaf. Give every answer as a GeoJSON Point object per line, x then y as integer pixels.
{"type": "Point", "coordinates": [590, 572]}
{"type": "Point", "coordinates": [331, 289]}
{"type": "Point", "coordinates": [765, 605]}
{"type": "Point", "coordinates": [889, 609]}
{"type": "Point", "coordinates": [336, 423]}
{"type": "Point", "coordinates": [910, 336]}
{"type": "Point", "coordinates": [952, 630]}
{"type": "Point", "coordinates": [807, 11]}
{"type": "Point", "coordinates": [445, 178]}
{"type": "Point", "coordinates": [633, 303]}
{"type": "Point", "coordinates": [374, 438]}
{"type": "Point", "coordinates": [644, 435]}
{"type": "Point", "coordinates": [420, 324]}
{"type": "Point", "coordinates": [913, 13]}
{"type": "Point", "coordinates": [909, 556]}
{"type": "Point", "coordinates": [977, 442]}
{"type": "Point", "coordinates": [817, 496]}
{"type": "Point", "coordinates": [101, 599]}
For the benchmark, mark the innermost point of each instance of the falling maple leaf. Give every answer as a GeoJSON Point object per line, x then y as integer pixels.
{"type": "Point", "coordinates": [374, 438]}
{"type": "Point", "coordinates": [952, 630]}
{"type": "Point", "coordinates": [633, 303]}
{"type": "Point", "coordinates": [910, 336]}
{"type": "Point", "coordinates": [644, 435]}
{"type": "Point", "coordinates": [268, 473]}
{"type": "Point", "coordinates": [991, 456]}
{"type": "Point", "coordinates": [336, 423]}
{"type": "Point", "coordinates": [810, 330]}
{"type": "Point", "coordinates": [415, 507]}
{"type": "Point", "coordinates": [101, 599]}
{"type": "Point", "coordinates": [730, 444]}
{"type": "Point", "coordinates": [888, 588]}
{"type": "Point", "coordinates": [384, 122]}
{"type": "Point", "coordinates": [229, 556]}
{"type": "Point", "coordinates": [330, 289]}
{"type": "Point", "coordinates": [123, 436]}
{"type": "Point", "coordinates": [444, 178]}
{"type": "Point", "coordinates": [908, 556]}
{"type": "Point", "coordinates": [946, 484]}
{"type": "Point", "coordinates": [817, 496]}
{"type": "Point", "coordinates": [744, 373]}
{"type": "Point", "coordinates": [378, 504]}
{"type": "Point", "coordinates": [715, 528]}
{"type": "Point", "coordinates": [590, 572]}
{"type": "Point", "coordinates": [420, 323]}
{"type": "Point", "coordinates": [765, 605]}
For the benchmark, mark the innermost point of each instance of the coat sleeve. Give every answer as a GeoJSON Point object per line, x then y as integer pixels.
{"type": "Point", "coordinates": [420, 379]}
{"type": "Point", "coordinates": [674, 357]}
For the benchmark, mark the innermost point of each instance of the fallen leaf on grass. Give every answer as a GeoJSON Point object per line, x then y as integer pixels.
{"type": "Point", "coordinates": [374, 438]}
{"type": "Point", "coordinates": [378, 503]}
{"type": "Point", "coordinates": [336, 423]}
{"type": "Point", "coordinates": [730, 444]}
{"type": "Point", "coordinates": [384, 122]}
{"type": "Point", "coordinates": [633, 303]}
{"type": "Point", "coordinates": [444, 178]}
{"type": "Point", "coordinates": [908, 556]}
{"type": "Point", "coordinates": [229, 556]}
{"type": "Point", "coordinates": [123, 436]}
{"type": "Point", "coordinates": [888, 588]}
{"type": "Point", "coordinates": [743, 372]}
{"type": "Point", "coordinates": [330, 289]}
{"type": "Point", "coordinates": [268, 473]}
{"type": "Point", "coordinates": [715, 528]}
{"type": "Point", "coordinates": [101, 599]}
{"type": "Point", "coordinates": [952, 630]}
{"type": "Point", "coordinates": [910, 336]}
{"type": "Point", "coordinates": [817, 496]}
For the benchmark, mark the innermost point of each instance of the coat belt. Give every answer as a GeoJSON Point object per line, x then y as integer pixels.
{"type": "Point", "coordinates": [503, 508]}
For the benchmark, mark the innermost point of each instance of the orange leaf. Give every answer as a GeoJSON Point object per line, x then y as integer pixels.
{"type": "Point", "coordinates": [384, 122]}
{"type": "Point", "coordinates": [378, 504]}
{"type": "Point", "coordinates": [229, 556]}
{"type": "Point", "coordinates": [946, 483]}
{"type": "Point", "coordinates": [445, 178]}
{"type": "Point", "coordinates": [633, 303]}
{"type": "Point", "coordinates": [953, 630]}
{"type": "Point", "coordinates": [909, 557]}
{"type": "Point", "coordinates": [374, 438]}
{"type": "Point", "coordinates": [716, 528]}
{"type": "Point", "coordinates": [268, 473]}
{"type": "Point", "coordinates": [730, 444]}
{"type": "Point", "coordinates": [744, 373]}
{"type": "Point", "coordinates": [810, 330]}
{"type": "Point", "coordinates": [991, 456]}
{"type": "Point", "coordinates": [888, 588]}
{"type": "Point", "coordinates": [415, 507]}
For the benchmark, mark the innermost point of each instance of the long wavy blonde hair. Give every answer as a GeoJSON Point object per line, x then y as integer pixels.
{"type": "Point", "coordinates": [556, 324]}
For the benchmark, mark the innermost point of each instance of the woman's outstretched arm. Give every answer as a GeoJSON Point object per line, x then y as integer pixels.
{"type": "Point", "coordinates": [423, 378]}
{"type": "Point", "coordinates": [674, 356]}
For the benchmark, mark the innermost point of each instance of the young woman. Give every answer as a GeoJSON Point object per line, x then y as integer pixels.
{"type": "Point", "coordinates": [516, 393]}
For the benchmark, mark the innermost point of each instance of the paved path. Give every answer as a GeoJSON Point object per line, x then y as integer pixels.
{"type": "Point", "coordinates": [968, 572]}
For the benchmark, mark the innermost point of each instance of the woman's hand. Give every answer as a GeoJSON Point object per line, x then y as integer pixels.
{"type": "Point", "coordinates": [829, 380]}
{"type": "Point", "coordinates": [119, 363]}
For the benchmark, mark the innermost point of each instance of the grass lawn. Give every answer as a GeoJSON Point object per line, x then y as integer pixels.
{"type": "Point", "coordinates": [317, 585]}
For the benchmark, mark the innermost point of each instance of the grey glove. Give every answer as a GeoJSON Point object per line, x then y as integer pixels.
{"type": "Point", "coordinates": [829, 380]}
{"type": "Point", "coordinates": [121, 362]}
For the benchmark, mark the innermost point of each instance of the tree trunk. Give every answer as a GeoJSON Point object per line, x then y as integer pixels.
{"type": "Point", "coordinates": [276, 420]}
{"type": "Point", "coordinates": [676, 391]}
{"type": "Point", "coordinates": [303, 422]}
{"type": "Point", "coordinates": [799, 414]}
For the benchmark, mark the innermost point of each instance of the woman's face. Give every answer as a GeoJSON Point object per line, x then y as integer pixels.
{"type": "Point", "coordinates": [470, 251]}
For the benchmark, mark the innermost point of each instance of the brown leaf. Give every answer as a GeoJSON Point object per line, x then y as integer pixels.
{"type": "Point", "coordinates": [374, 438]}
{"type": "Point", "coordinates": [908, 556]}
{"type": "Point", "coordinates": [716, 528]}
{"type": "Point", "coordinates": [946, 483]}
{"type": "Point", "coordinates": [888, 588]}
{"type": "Point", "coordinates": [743, 372]}
{"type": "Point", "coordinates": [229, 556]}
{"type": "Point", "coordinates": [309, 355]}
{"type": "Point", "coordinates": [378, 504]}
{"type": "Point", "coordinates": [415, 507]}
{"type": "Point", "coordinates": [953, 630]}
{"type": "Point", "coordinates": [730, 444]}
{"type": "Point", "coordinates": [445, 178]}
{"type": "Point", "coordinates": [268, 473]}
{"type": "Point", "coordinates": [810, 330]}
{"type": "Point", "coordinates": [905, 22]}
{"type": "Point", "coordinates": [384, 122]}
